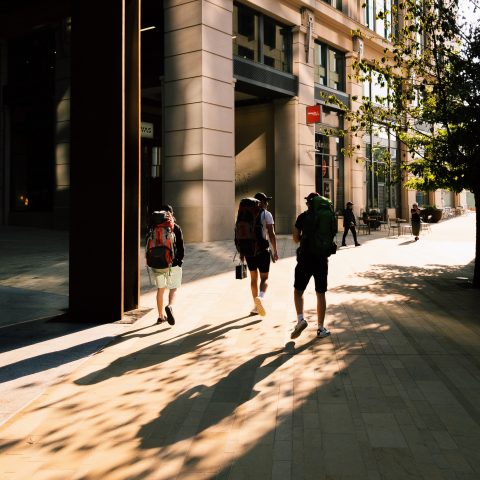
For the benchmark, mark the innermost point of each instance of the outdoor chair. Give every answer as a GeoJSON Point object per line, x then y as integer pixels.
{"type": "Point", "coordinates": [393, 227]}
{"type": "Point", "coordinates": [362, 226]}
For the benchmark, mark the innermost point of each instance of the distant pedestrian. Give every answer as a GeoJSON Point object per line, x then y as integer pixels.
{"type": "Point", "coordinates": [259, 264]}
{"type": "Point", "coordinates": [310, 265]}
{"type": "Point", "coordinates": [169, 278]}
{"type": "Point", "coordinates": [415, 214]}
{"type": "Point", "coordinates": [349, 224]}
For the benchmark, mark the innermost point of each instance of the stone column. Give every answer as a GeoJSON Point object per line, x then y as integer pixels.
{"type": "Point", "coordinates": [104, 234]}
{"type": "Point", "coordinates": [303, 48]}
{"type": "Point", "coordinates": [199, 164]}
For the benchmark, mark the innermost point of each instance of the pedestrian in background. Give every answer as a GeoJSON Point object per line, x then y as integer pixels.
{"type": "Point", "coordinates": [349, 224]}
{"type": "Point", "coordinates": [415, 214]}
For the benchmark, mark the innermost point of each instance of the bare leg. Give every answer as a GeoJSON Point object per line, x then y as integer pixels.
{"type": "Point", "coordinates": [263, 281]}
{"type": "Point", "coordinates": [171, 296]}
{"type": "Point", "coordinates": [160, 302]}
{"type": "Point", "coordinates": [298, 299]}
{"type": "Point", "coordinates": [321, 308]}
{"type": "Point", "coordinates": [253, 283]}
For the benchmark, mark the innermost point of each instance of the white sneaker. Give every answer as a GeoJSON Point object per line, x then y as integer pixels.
{"type": "Point", "coordinates": [299, 328]}
{"type": "Point", "coordinates": [254, 311]}
{"type": "Point", "coordinates": [259, 306]}
{"type": "Point", "coordinates": [323, 332]}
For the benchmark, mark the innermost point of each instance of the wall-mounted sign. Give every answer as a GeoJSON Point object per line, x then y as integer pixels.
{"type": "Point", "coordinates": [146, 129]}
{"type": "Point", "coordinates": [313, 113]}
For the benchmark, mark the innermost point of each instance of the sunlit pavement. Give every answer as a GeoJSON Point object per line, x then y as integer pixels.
{"type": "Point", "coordinates": [393, 393]}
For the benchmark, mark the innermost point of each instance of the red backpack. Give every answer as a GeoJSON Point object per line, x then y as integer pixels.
{"type": "Point", "coordinates": [160, 248]}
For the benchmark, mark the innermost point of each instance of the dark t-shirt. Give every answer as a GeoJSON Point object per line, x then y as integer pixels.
{"type": "Point", "coordinates": [415, 215]}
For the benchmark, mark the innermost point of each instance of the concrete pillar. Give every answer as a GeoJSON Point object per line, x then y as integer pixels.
{"type": "Point", "coordinates": [104, 240]}
{"type": "Point", "coordinates": [303, 63]}
{"type": "Point", "coordinates": [199, 165]}
{"type": "Point", "coordinates": [286, 165]}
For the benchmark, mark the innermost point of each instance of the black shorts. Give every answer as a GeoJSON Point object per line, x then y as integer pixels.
{"type": "Point", "coordinates": [308, 268]}
{"type": "Point", "coordinates": [260, 262]}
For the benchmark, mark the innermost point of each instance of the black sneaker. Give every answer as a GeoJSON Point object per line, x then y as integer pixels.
{"type": "Point", "coordinates": [170, 318]}
{"type": "Point", "coordinates": [299, 328]}
{"type": "Point", "coordinates": [357, 244]}
{"type": "Point", "coordinates": [160, 320]}
{"type": "Point", "coordinates": [344, 244]}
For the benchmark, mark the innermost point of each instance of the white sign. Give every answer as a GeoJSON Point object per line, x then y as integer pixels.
{"type": "Point", "coordinates": [146, 129]}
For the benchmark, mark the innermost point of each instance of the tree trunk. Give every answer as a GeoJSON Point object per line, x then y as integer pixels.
{"type": "Point", "coordinates": [476, 270]}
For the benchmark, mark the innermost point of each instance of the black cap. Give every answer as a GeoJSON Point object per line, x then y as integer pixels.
{"type": "Point", "coordinates": [167, 208]}
{"type": "Point", "coordinates": [349, 203]}
{"type": "Point", "coordinates": [311, 195]}
{"type": "Point", "coordinates": [261, 196]}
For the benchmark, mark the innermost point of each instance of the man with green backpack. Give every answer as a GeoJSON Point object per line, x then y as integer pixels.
{"type": "Point", "coordinates": [314, 230]}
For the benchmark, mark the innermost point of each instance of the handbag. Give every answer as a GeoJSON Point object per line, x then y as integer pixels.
{"type": "Point", "coordinates": [241, 271]}
{"type": "Point", "coordinates": [333, 249]}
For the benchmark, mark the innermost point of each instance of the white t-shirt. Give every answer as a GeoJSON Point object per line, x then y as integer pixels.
{"type": "Point", "coordinates": [266, 219]}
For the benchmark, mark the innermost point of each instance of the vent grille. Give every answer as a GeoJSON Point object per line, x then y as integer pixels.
{"type": "Point", "coordinates": [265, 77]}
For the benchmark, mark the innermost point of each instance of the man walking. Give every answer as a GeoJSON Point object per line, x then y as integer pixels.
{"type": "Point", "coordinates": [259, 264]}
{"type": "Point", "coordinates": [349, 223]}
{"type": "Point", "coordinates": [309, 266]}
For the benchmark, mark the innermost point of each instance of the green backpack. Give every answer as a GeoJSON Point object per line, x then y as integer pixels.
{"type": "Point", "coordinates": [319, 229]}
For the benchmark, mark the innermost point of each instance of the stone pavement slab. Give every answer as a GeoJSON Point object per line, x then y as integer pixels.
{"type": "Point", "coordinates": [391, 394]}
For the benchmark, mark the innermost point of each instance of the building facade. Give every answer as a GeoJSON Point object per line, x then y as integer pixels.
{"type": "Point", "coordinates": [109, 111]}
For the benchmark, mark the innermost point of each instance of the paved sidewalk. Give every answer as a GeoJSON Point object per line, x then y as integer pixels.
{"type": "Point", "coordinates": [393, 393]}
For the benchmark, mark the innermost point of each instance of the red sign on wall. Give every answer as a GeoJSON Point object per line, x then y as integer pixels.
{"type": "Point", "coordinates": [313, 113]}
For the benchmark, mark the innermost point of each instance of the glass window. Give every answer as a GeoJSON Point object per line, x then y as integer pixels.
{"type": "Point", "coordinates": [261, 39]}
{"type": "Point", "coordinates": [381, 167]}
{"type": "Point", "coordinates": [335, 4]}
{"type": "Point", "coordinates": [329, 67]}
{"type": "Point", "coordinates": [382, 26]}
{"type": "Point", "coordinates": [375, 88]}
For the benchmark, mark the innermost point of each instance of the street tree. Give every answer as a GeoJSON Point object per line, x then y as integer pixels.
{"type": "Point", "coordinates": [428, 95]}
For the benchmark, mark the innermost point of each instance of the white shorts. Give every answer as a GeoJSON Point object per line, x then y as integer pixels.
{"type": "Point", "coordinates": [167, 277]}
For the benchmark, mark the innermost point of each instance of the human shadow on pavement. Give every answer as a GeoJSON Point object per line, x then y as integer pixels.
{"type": "Point", "coordinates": [47, 361]}
{"type": "Point", "coordinates": [224, 397]}
{"type": "Point", "coordinates": [164, 351]}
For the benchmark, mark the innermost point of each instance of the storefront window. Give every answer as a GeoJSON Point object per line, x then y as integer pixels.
{"type": "Point", "coordinates": [329, 165]}
{"type": "Point", "coordinates": [383, 190]}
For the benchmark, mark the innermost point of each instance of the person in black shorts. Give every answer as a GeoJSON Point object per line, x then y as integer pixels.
{"type": "Point", "coordinates": [259, 265]}
{"type": "Point", "coordinates": [305, 269]}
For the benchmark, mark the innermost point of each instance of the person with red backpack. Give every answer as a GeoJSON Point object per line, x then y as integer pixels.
{"type": "Point", "coordinates": [164, 255]}
{"type": "Point", "coordinates": [258, 259]}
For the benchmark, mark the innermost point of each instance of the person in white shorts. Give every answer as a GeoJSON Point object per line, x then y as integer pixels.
{"type": "Point", "coordinates": [169, 278]}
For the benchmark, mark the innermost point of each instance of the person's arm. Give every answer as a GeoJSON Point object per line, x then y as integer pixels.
{"type": "Point", "coordinates": [179, 244]}
{"type": "Point", "coordinates": [273, 240]}
{"type": "Point", "coordinates": [297, 235]}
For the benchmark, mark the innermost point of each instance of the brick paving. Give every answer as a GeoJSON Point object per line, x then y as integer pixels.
{"type": "Point", "coordinates": [393, 393]}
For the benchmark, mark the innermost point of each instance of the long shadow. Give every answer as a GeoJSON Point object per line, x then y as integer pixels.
{"type": "Point", "coordinates": [24, 334]}
{"type": "Point", "coordinates": [164, 351]}
{"type": "Point", "coordinates": [47, 361]}
{"type": "Point", "coordinates": [230, 392]}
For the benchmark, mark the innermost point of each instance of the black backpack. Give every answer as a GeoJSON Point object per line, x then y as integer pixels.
{"type": "Point", "coordinates": [249, 239]}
